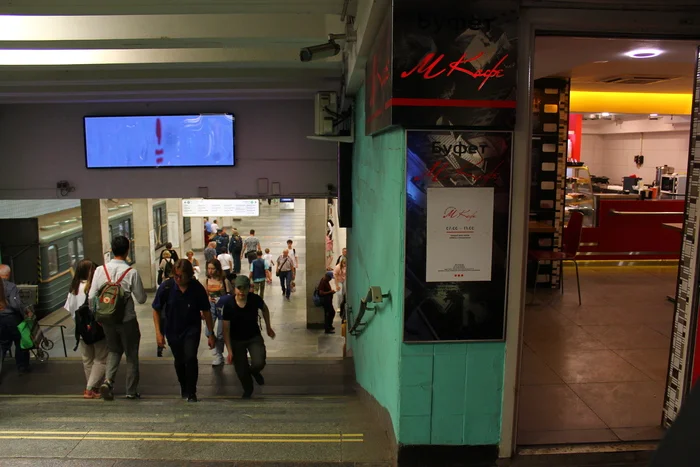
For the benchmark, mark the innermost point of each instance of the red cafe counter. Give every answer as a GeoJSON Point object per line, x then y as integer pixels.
{"type": "Point", "coordinates": [631, 229]}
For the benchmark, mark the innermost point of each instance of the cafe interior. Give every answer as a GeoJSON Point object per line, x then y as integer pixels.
{"type": "Point", "coordinates": [610, 151]}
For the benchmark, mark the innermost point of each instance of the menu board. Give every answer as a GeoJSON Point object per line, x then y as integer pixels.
{"type": "Point", "coordinates": [459, 234]}
{"type": "Point", "coordinates": [220, 207]}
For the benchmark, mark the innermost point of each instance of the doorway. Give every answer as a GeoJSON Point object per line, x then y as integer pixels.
{"type": "Point", "coordinates": [594, 369]}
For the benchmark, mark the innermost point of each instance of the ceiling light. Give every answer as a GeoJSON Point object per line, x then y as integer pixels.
{"type": "Point", "coordinates": [644, 53]}
{"type": "Point", "coordinates": [601, 61]}
{"type": "Point", "coordinates": [653, 116]}
{"type": "Point", "coordinates": [605, 114]}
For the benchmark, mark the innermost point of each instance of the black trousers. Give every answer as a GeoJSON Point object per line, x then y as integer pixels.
{"type": "Point", "coordinates": [244, 371]}
{"type": "Point", "coordinates": [9, 334]}
{"type": "Point", "coordinates": [184, 348]}
{"type": "Point", "coordinates": [328, 313]}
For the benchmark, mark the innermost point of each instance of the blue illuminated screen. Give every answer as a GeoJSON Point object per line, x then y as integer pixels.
{"type": "Point", "coordinates": [159, 141]}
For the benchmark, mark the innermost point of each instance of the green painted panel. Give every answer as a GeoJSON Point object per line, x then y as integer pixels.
{"type": "Point", "coordinates": [484, 393]}
{"type": "Point", "coordinates": [416, 400]}
{"type": "Point", "coordinates": [416, 370]}
{"type": "Point", "coordinates": [415, 430]}
{"type": "Point", "coordinates": [376, 256]}
{"type": "Point", "coordinates": [447, 429]}
{"type": "Point", "coordinates": [417, 349]}
{"type": "Point", "coordinates": [456, 348]}
{"type": "Point", "coordinates": [448, 384]}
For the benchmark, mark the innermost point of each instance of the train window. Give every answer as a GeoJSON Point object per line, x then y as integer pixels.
{"type": "Point", "coordinates": [160, 225]}
{"type": "Point", "coordinates": [81, 251]}
{"type": "Point", "coordinates": [52, 258]}
{"type": "Point", "coordinates": [127, 228]}
{"type": "Point", "coordinates": [72, 254]}
{"type": "Point", "coordinates": [186, 224]}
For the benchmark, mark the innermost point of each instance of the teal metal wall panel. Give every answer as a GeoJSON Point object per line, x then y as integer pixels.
{"type": "Point", "coordinates": [375, 246]}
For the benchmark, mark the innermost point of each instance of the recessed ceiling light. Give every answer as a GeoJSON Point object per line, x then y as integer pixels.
{"type": "Point", "coordinates": [644, 53]}
{"type": "Point", "coordinates": [601, 61]}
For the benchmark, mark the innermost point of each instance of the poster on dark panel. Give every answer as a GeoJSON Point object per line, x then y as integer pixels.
{"type": "Point", "coordinates": [457, 221]}
{"type": "Point", "coordinates": [451, 58]}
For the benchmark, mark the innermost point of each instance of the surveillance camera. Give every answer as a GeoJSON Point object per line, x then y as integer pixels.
{"type": "Point", "coordinates": [319, 52]}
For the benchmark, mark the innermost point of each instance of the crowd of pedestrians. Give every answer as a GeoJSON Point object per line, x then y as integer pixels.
{"type": "Point", "coordinates": [102, 302]}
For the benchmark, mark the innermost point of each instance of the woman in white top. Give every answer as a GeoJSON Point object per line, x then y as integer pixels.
{"type": "Point", "coordinates": [94, 355]}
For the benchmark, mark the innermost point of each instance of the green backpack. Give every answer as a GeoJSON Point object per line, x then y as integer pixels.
{"type": "Point", "coordinates": [111, 303]}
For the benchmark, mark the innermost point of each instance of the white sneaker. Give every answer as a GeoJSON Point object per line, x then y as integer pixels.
{"type": "Point", "coordinates": [218, 360]}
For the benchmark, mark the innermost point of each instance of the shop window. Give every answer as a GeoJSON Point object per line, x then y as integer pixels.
{"type": "Point", "coordinates": [52, 258]}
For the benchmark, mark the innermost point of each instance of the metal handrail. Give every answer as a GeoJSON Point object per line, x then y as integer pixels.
{"type": "Point", "coordinates": [615, 212]}
{"type": "Point", "coordinates": [63, 336]}
{"type": "Point", "coordinates": [358, 326]}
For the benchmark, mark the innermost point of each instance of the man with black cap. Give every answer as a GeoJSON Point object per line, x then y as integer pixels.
{"type": "Point", "coordinates": [242, 333]}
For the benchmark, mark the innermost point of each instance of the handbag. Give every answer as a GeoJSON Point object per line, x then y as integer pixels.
{"type": "Point", "coordinates": [27, 330]}
{"type": "Point", "coordinates": [278, 272]}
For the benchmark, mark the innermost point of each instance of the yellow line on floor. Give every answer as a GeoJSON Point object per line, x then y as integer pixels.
{"type": "Point", "coordinates": [184, 440]}
{"type": "Point", "coordinates": [199, 435]}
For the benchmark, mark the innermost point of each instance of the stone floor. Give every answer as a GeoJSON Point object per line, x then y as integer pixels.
{"type": "Point", "coordinates": [597, 372]}
{"type": "Point", "coordinates": [274, 227]}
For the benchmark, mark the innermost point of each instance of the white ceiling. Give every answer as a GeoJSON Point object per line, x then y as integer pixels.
{"type": "Point", "coordinates": [156, 49]}
{"type": "Point", "coordinates": [576, 58]}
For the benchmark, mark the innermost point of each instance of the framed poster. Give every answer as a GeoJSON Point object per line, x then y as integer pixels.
{"type": "Point", "coordinates": [458, 190]}
{"type": "Point", "coordinates": [459, 234]}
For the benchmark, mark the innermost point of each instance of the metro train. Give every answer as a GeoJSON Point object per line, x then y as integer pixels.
{"type": "Point", "coordinates": [45, 250]}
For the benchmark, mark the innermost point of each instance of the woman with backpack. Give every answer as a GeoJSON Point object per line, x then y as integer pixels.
{"type": "Point", "coordinates": [165, 268]}
{"type": "Point", "coordinates": [88, 333]}
{"type": "Point", "coordinates": [217, 285]}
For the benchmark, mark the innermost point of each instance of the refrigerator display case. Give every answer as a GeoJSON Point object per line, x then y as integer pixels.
{"type": "Point", "coordinates": [579, 194]}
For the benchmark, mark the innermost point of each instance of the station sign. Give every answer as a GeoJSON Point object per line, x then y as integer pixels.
{"type": "Point", "coordinates": [220, 207]}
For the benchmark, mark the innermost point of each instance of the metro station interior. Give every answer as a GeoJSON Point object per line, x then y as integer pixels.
{"type": "Point", "coordinates": [509, 184]}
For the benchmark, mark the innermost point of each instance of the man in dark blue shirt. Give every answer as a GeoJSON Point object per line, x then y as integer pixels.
{"type": "Point", "coordinates": [185, 302]}
{"type": "Point", "coordinates": [242, 333]}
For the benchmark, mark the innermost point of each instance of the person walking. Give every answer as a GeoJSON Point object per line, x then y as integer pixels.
{"type": "Point", "coordinates": [165, 268]}
{"type": "Point", "coordinates": [285, 270]}
{"type": "Point", "coordinates": [185, 303]}
{"type": "Point", "coordinates": [12, 312]}
{"type": "Point", "coordinates": [207, 231]}
{"type": "Point", "coordinates": [251, 245]}
{"type": "Point", "coordinates": [226, 261]}
{"type": "Point", "coordinates": [95, 354]}
{"type": "Point", "coordinates": [173, 253]}
{"type": "Point", "coordinates": [340, 276]}
{"type": "Point", "coordinates": [293, 253]}
{"type": "Point", "coordinates": [235, 247]}
{"type": "Point", "coordinates": [195, 263]}
{"type": "Point", "coordinates": [216, 285]}
{"type": "Point", "coordinates": [326, 292]}
{"type": "Point", "coordinates": [242, 333]}
{"type": "Point", "coordinates": [343, 256]}
{"type": "Point", "coordinates": [210, 252]}
{"type": "Point", "coordinates": [222, 241]}
{"type": "Point", "coordinates": [260, 274]}
{"type": "Point", "coordinates": [125, 337]}
{"type": "Point", "coordinates": [329, 252]}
